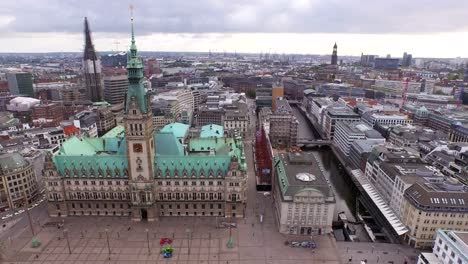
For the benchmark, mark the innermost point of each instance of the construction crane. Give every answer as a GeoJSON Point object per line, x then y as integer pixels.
{"type": "Point", "coordinates": [405, 90]}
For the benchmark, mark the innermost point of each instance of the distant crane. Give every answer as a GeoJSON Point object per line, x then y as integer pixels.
{"type": "Point", "coordinates": [116, 42]}
{"type": "Point", "coordinates": [405, 90]}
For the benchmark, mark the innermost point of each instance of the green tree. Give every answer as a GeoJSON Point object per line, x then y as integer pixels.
{"type": "Point", "coordinates": [251, 94]}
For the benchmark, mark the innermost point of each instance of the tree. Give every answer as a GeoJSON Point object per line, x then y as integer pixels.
{"type": "Point", "coordinates": [251, 94]}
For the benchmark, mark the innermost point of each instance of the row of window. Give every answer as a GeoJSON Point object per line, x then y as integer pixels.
{"type": "Point", "coordinates": [462, 215]}
{"type": "Point", "coordinates": [443, 222]}
{"type": "Point", "coordinates": [192, 183]}
{"type": "Point", "coordinates": [98, 195]}
{"type": "Point", "coordinates": [96, 206]}
{"type": "Point", "coordinates": [108, 183]}
{"type": "Point", "coordinates": [18, 176]}
{"type": "Point", "coordinates": [194, 206]}
{"type": "Point", "coordinates": [190, 196]}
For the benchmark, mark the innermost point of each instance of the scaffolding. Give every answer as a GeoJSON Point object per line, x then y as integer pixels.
{"type": "Point", "coordinates": [262, 159]}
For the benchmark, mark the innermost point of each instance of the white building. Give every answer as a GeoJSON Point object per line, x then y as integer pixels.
{"type": "Point", "coordinates": [451, 247]}
{"type": "Point", "coordinates": [304, 201]}
{"type": "Point", "coordinates": [371, 118]}
{"type": "Point", "coordinates": [334, 114]}
{"type": "Point", "coordinates": [318, 107]}
{"type": "Point", "coordinates": [393, 170]}
{"type": "Point", "coordinates": [347, 132]}
{"type": "Point", "coordinates": [22, 104]}
{"type": "Point", "coordinates": [395, 88]}
{"type": "Point", "coordinates": [182, 104]}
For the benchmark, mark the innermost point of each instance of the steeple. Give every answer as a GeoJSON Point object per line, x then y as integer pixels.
{"type": "Point", "coordinates": [136, 90]}
{"type": "Point", "coordinates": [89, 52]}
{"type": "Point", "coordinates": [334, 57]}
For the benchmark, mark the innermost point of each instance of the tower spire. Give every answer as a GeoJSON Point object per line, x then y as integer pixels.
{"type": "Point", "coordinates": [135, 75]}
{"type": "Point", "coordinates": [133, 45]}
{"type": "Point", "coordinates": [89, 52]}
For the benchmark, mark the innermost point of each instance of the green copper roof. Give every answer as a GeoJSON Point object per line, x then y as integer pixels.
{"type": "Point", "coordinates": [212, 130]}
{"type": "Point", "coordinates": [180, 130]}
{"type": "Point", "coordinates": [289, 166]}
{"type": "Point", "coordinates": [12, 161]}
{"type": "Point", "coordinates": [92, 146]}
{"type": "Point", "coordinates": [135, 79]}
{"type": "Point", "coordinates": [102, 103]}
{"type": "Point", "coordinates": [118, 131]}
{"type": "Point", "coordinates": [168, 145]}
{"type": "Point", "coordinates": [107, 156]}
{"type": "Point", "coordinates": [192, 166]}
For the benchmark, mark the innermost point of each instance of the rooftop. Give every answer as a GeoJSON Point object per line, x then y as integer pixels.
{"type": "Point", "coordinates": [180, 130]}
{"type": "Point", "coordinates": [341, 111]}
{"type": "Point", "coordinates": [12, 161]}
{"type": "Point", "coordinates": [212, 131]}
{"type": "Point", "coordinates": [441, 196]}
{"type": "Point", "coordinates": [300, 172]}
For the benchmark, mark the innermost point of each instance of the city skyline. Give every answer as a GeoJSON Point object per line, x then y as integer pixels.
{"type": "Point", "coordinates": [300, 27]}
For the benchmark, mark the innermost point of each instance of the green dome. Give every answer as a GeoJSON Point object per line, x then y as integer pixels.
{"type": "Point", "coordinates": [11, 161]}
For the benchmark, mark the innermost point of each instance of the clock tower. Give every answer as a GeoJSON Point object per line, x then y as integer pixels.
{"type": "Point", "coordinates": [139, 134]}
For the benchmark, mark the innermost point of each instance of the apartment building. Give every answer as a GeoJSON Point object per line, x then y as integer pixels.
{"type": "Point", "coordinates": [450, 247]}
{"type": "Point", "coordinates": [430, 206]}
{"type": "Point", "coordinates": [283, 126]}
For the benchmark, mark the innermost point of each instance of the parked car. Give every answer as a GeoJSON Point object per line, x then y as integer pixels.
{"type": "Point", "coordinates": [19, 212]}
{"type": "Point", "coordinates": [226, 225]}
{"type": "Point", "coordinates": [7, 216]}
{"type": "Point", "coordinates": [165, 240]}
{"type": "Point", "coordinates": [303, 244]}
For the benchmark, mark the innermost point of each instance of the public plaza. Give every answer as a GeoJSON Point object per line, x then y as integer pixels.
{"type": "Point", "coordinates": [195, 240]}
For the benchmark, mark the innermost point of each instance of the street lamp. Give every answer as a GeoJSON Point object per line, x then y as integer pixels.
{"type": "Point", "coordinates": [108, 245]}
{"type": "Point", "coordinates": [65, 234]}
{"type": "Point", "coordinates": [147, 239]}
{"type": "Point", "coordinates": [189, 238]}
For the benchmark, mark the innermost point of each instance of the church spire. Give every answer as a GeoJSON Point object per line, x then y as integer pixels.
{"type": "Point", "coordinates": [136, 91]}
{"type": "Point", "coordinates": [89, 52]}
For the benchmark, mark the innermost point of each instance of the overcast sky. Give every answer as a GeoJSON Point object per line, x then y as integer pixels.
{"type": "Point", "coordinates": [425, 28]}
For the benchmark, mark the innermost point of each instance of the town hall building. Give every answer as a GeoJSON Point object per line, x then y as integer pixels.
{"type": "Point", "coordinates": [137, 172]}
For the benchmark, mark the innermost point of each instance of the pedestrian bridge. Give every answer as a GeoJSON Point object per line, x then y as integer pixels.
{"type": "Point", "coordinates": [308, 142]}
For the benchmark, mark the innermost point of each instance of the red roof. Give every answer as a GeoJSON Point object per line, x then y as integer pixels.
{"type": "Point", "coordinates": [71, 130]}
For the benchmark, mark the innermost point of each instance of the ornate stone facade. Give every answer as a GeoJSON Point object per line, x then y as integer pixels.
{"type": "Point", "coordinates": [133, 171]}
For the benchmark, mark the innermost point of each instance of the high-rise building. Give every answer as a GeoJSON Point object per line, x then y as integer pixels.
{"type": "Point", "coordinates": [20, 83]}
{"type": "Point", "coordinates": [115, 88]}
{"type": "Point", "coordinates": [91, 68]}
{"type": "Point", "coordinates": [277, 92]}
{"type": "Point", "coordinates": [465, 74]}
{"type": "Point", "coordinates": [407, 59]}
{"type": "Point", "coordinates": [334, 57]}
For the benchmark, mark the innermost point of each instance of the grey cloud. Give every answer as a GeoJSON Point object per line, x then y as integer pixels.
{"type": "Point", "coordinates": [234, 16]}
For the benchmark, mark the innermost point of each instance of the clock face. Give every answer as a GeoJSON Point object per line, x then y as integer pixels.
{"type": "Point", "coordinates": [137, 148]}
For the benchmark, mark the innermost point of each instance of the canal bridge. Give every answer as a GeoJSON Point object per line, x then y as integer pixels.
{"type": "Point", "coordinates": [311, 142]}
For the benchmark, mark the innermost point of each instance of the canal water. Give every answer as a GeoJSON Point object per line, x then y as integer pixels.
{"type": "Point", "coordinates": [343, 187]}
